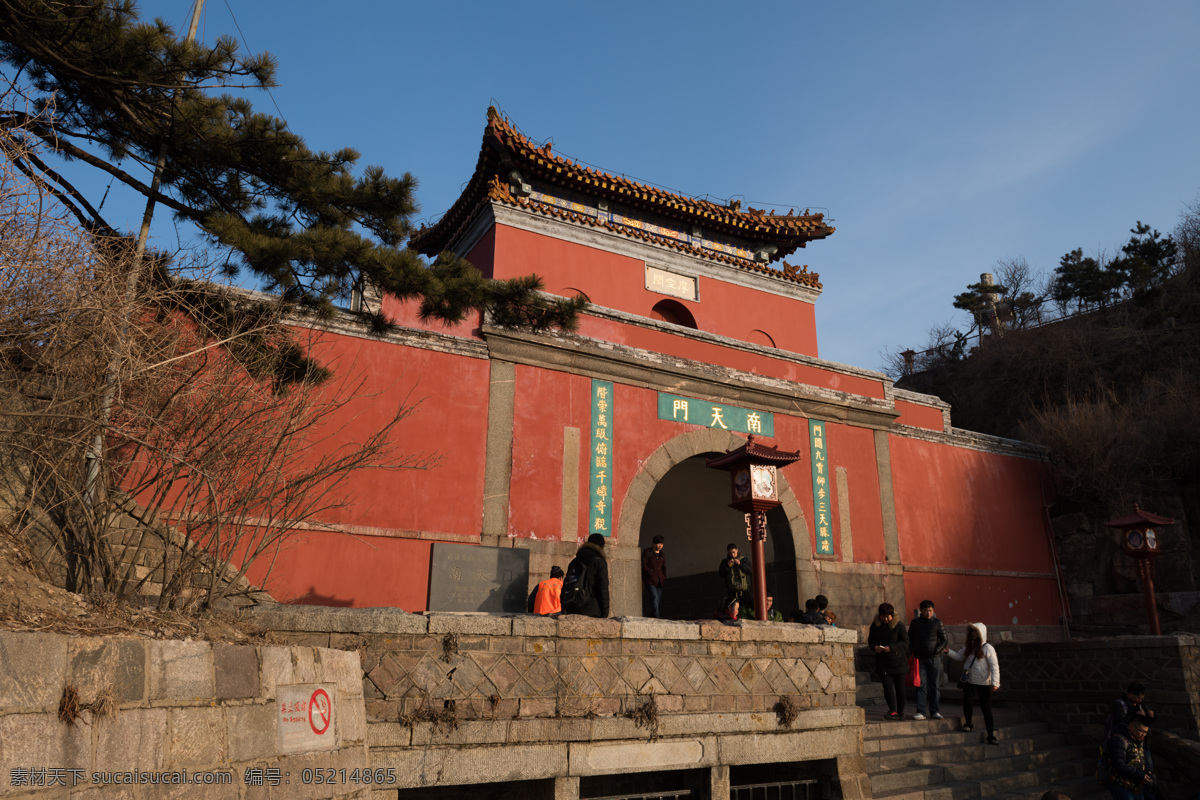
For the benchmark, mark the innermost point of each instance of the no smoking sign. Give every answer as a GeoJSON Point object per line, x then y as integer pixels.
{"type": "Point", "coordinates": [306, 717]}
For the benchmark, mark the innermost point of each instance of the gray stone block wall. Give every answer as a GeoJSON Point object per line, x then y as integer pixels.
{"type": "Point", "coordinates": [1073, 684]}
{"type": "Point", "coordinates": [482, 698]}
{"type": "Point", "coordinates": [175, 706]}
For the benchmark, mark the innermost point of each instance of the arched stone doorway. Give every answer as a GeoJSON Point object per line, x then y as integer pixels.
{"type": "Point", "coordinates": [676, 495]}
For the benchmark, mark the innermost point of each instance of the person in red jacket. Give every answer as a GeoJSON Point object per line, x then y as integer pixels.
{"type": "Point", "coordinates": [545, 598]}
{"type": "Point", "coordinates": [654, 575]}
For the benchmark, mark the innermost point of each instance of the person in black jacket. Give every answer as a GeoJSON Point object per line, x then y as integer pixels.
{"type": "Point", "coordinates": [591, 569]}
{"type": "Point", "coordinates": [927, 638]}
{"type": "Point", "coordinates": [654, 576]}
{"type": "Point", "coordinates": [736, 576]}
{"type": "Point", "coordinates": [888, 639]}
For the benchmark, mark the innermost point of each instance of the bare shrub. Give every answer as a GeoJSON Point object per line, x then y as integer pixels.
{"type": "Point", "coordinates": [165, 431]}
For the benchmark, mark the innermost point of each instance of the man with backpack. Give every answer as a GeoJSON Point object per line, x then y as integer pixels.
{"type": "Point", "coordinates": [585, 588]}
{"type": "Point", "coordinates": [735, 573]}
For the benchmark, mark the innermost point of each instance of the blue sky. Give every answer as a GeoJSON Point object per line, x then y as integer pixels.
{"type": "Point", "coordinates": [939, 137]}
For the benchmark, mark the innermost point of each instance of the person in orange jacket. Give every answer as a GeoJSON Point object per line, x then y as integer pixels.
{"type": "Point", "coordinates": [544, 599]}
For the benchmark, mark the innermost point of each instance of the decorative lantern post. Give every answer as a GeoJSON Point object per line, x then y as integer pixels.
{"type": "Point", "coordinates": [752, 469]}
{"type": "Point", "coordinates": [1140, 541]}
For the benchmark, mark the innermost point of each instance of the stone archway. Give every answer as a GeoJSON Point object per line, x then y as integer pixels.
{"type": "Point", "coordinates": [627, 592]}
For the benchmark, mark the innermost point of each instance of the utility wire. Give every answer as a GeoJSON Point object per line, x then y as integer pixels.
{"type": "Point", "coordinates": [249, 50]}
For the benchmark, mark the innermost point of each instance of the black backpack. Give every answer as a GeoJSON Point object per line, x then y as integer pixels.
{"type": "Point", "coordinates": [577, 585]}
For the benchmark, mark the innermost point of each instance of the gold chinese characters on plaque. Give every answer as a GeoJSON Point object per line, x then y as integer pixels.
{"type": "Point", "coordinates": [663, 282]}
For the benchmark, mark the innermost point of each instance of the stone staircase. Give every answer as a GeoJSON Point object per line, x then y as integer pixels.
{"type": "Point", "coordinates": [934, 760]}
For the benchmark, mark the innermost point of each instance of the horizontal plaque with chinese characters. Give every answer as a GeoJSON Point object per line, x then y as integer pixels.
{"type": "Point", "coordinates": [715, 415]}
{"type": "Point", "coordinates": [663, 282]}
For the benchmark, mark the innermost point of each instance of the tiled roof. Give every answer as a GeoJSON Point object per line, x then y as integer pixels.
{"type": "Point", "coordinates": [505, 149]}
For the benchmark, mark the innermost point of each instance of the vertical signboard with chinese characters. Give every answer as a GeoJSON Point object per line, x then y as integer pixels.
{"type": "Point", "coordinates": [601, 460]}
{"type": "Point", "coordinates": [821, 485]}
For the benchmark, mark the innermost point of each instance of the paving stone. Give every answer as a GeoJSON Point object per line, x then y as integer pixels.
{"type": "Point", "coordinates": [181, 671]}
{"type": "Point", "coordinates": [41, 740]}
{"type": "Point", "coordinates": [780, 632]}
{"type": "Point", "coordinates": [253, 732]}
{"type": "Point", "coordinates": [469, 765]}
{"type": "Point", "coordinates": [534, 625]}
{"type": "Point", "coordinates": [720, 631]}
{"type": "Point", "coordinates": [236, 671]}
{"type": "Point", "coordinates": [343, 668]}
{"type": "Point", "coordinates": [135, 739]}
{"type": "Point", "coordinates": [574, 626]}
{"type": "Point", "coordinates": [33, 670]}
{"type": "Point", "coordinates": [98, 664]}
{"type": "Point", "coordinates": [641, 628]}
{"type": "Point", "coordinates": [338, 620]}
{"type": "Point", "coordinates": [197, 737]}
{"type": "Point", "coordinates": [441, 622]}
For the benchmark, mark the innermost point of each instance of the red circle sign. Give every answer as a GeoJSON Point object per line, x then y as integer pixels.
{"type": "Point", "coordinates": [320, 711]}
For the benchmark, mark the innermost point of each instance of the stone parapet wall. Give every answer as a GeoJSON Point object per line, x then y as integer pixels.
{"type": "Point", "coordinates": [1073, 684]}
{"type": "Point", "coordinates": [150, 706]}
{"type": "Point", "coordinates": [478, 698]}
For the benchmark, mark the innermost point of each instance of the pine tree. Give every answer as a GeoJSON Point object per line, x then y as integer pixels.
{"type": "Point", "coordinates": [109, 90]}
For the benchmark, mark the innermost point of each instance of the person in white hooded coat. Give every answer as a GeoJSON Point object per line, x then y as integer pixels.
{"type": "Point", "coordinates": [981, 676]}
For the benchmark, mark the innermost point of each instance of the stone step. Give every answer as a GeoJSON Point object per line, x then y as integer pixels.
{"type": "Point", "coordinates": [1023, 782]}
{"type": "Point", "coordinates": [884, 782]}
{"type": "Point", "coordinates": [995, 775]}
{"type": "Point", "coordinates": [1004, 763]}
{"type": "Point", "coordinates": [1008, 725]}
{"type": "Point", "coordinates": [957, 753]}
{"type": "Point", "coordinates": [935, 760]}
{"type": "Point", "coordinates": [1080, 788]}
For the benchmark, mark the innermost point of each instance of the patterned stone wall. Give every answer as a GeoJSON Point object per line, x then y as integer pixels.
{"type": "Point", "coordinates": [479, 698]}
{"type": "Point", "coordinates": [1073, 684]}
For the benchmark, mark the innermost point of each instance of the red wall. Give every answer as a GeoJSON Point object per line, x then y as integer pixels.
{"type": "Point", "coordinates": [964, 509]}
{"type": "Point", "coordinates": [919, 416]}
{"type": "Point", "coordinates": [336, 569]}
{"type": "Point", "coordinates": [356, 567]}
{"type": "Point", "coordinates": [854, 450]}
{"type": "Point", "coordinates": [546, 403]}
{"type": "Point", "coordinates": [619, 282]}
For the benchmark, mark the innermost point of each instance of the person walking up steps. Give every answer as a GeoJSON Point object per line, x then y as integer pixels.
{"type": "Point", "coordinates": [981, 677]}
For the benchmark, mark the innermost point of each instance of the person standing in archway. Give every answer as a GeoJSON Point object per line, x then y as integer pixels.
{"type": "Point", "coordinates": [654, 576]}
{"type": "Point", "coordinates": [736, 574]}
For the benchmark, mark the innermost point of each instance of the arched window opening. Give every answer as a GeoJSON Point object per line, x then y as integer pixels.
{"type": "Point", "coordinates": [761, 337]}
{"type": "Point", "coordinates": [674, 312]}
{"type": "Point", "coordinates": [571, 291]}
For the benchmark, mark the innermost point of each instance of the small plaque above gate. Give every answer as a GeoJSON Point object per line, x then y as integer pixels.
{"type": "Point", "coordinates": [663, 282]}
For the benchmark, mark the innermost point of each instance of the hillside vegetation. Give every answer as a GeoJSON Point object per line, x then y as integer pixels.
{"type": "Point", "coordinates": [1101, 367]}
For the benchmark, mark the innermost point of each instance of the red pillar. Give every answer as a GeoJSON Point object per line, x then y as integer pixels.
{"type": "Point", "coordinates": [1146, 569]}
{"type": "Point", "coordinates": [757, 535]}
